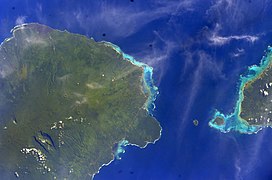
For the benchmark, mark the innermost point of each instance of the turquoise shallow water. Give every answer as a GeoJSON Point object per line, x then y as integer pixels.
{"type": "Point", "coordinates": [194, 76]}
{"type": "Point", "coordinates": [233, 121]}
{"type": "Point", "coordinates": [149, 86]}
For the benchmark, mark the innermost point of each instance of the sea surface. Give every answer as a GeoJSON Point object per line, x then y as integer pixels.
{"type": "Point", "coordinates": [198, 50]}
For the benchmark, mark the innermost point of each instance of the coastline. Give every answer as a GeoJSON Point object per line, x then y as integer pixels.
{"type": "Point", "coordinates": [149, 105]}
{"type": "Point", "coordinates": [147, 76]}
{"type": "Point", "coordinates": [148, 84]}
{"type": "Point", "coordinates": [233, 121]}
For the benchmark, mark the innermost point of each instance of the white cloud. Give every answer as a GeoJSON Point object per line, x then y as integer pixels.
{"type": "Point", "coordinates": [35, 40]}
{"type": "Point", "coordinates": [40, 14]}
{"type": "Point", "coordinates": [218, 40]}
{"type": "Point", "coordinates": [158, 54]}
{"type": "Point", "coordinates": [20, 20]}
{"type": "Point", "coordinates": [237, 165]}
{"type": "Point", "coordinates": [127, 22]}
{"type": "Point", "coordinates": [158, 57]}
{"type": "Point", "coordinates": [205, 65]}
{"type": "Point", "coordinates": [221, 40]}
{"type": "Point", "coordinates": [123, 21]}
{"type": "Point", "coordinates": [254, 153]}
{"type": "Point", "coordinates": [237, 19]}
{"type": "Point", "coordinates": [238, 52]}
{"type": "Point", "coordinates": [226, 8]}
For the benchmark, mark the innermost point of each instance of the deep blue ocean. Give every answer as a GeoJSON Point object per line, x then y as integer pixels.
{"type": "Point", "coordinates": [198, 50]}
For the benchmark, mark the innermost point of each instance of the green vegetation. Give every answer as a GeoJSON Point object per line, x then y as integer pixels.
{"type": "Point", "coordinates": [256, 106]}
{"type": "Point", "coordinates": [65, 101]}
{"type": "Point", "coordinates": [253, 110]}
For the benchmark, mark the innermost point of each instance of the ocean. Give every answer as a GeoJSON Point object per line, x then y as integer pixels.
{"type": "Point", "coordinates": [198, 50]}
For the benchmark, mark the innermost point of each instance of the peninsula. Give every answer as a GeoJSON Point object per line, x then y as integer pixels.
{"type": "Point", "coordinates": [67, 102]}
{"type": "Point", "coordinates": [253, 110]}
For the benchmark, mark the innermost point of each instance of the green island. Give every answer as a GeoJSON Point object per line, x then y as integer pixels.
{"type": "Point", "coordinates": [253, 110]}
{"type": "Point", "coordinates": [68, 104]}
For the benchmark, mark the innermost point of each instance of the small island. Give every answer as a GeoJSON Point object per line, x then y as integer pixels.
{"type": "Point", "coordinates": [253, 110]}
{"type": "Point", "coordinates": [68, 104]}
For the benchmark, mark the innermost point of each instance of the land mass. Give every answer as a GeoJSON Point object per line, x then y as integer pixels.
{"type": "Point", "coordinates": [67, 102]}
{"type": "Point", "coordinates": [253, 109]}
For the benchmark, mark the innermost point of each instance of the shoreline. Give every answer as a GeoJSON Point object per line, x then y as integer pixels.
{"type": "Point", "coordinates": [152, 90]}
{"type": "Point", "coordinates": [149, 105]}
{"type": "Point", "coordinates": [148, 82]}
{"type": "Point", "coordinates": [233, 121]}
{"type": "Point", "coordinates": [147, 76]}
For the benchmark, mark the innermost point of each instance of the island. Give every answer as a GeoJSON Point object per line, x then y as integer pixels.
{"type": "Point", "coordinates": [69, 104]}
{"type": "Point", "coordinates": [253, 110]}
